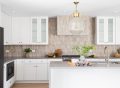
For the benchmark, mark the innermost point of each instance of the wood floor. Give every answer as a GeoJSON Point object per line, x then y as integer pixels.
{"type": "Point", "coordinates": [31, 85]}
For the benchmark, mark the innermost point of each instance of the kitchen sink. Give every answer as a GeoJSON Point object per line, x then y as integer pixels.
{"type": "Point", "coordinates": [104, 64]}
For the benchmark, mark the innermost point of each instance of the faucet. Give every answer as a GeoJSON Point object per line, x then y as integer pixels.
{"type": "Point", "coordinates": [106, 52]}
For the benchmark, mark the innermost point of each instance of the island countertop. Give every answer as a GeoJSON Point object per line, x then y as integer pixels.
{"type": "Point", "coordinates": [61, 64]}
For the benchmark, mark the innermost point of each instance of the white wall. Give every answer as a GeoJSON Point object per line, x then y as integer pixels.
{"type": "Point", "coordinates": [0, 17]}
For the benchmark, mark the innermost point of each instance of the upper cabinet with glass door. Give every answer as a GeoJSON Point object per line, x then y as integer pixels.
{"type": "Point", "coordinates": [39, 30]}
{"type": "Point", "coordinates": [105, 30]}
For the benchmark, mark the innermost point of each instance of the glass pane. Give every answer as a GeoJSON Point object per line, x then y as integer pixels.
{"type": "Point", "coordinates": [34, 30]}
{"type": "Point", "coordinates": [101, 30]}
{"type": "Point", "coordinates": [110, 30]}
{"type": "Point", "coordinates": [43, 30]}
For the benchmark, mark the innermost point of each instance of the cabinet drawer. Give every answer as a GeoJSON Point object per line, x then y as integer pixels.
{"type": "Point", "coordinates": [36, 61]}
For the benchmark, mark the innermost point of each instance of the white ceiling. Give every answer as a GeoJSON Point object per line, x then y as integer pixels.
{"type": "Point", "coordinates": [60, 7]}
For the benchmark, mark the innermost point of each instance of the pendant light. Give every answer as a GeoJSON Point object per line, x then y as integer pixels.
{"type": "Point", "coordinates": [76, 24]}
{"type": "Point", "coordinates": [76, 13]}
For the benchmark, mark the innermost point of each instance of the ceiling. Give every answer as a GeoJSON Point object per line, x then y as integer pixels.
{"type": "Point", "coordinates": [60, 7]}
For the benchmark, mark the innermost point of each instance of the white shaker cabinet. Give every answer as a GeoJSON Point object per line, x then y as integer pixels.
{"type": "Point", "coordinates": [35, 70]}
{"type": "Point", "coordinates": [19, 69]}
{"type": "Point", "coordinates": [7, 25]}
{"type": "Point", "coordinates": [105, 30]}
{"type": "Point", "coordinates": [42, 71]}
{"type": "Point", "coordinates": [39, 30]}
{"type": "Point", "coordinates": [20, 30]}
{"type": "Point", "coordinates": [29, 71]}
{"type": "Point", "coordinates": [25, 30]}
{"type": "Point", "coordinates": [117, 33]}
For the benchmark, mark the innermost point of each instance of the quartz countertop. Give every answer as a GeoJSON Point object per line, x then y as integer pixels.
{"type": "Point", "coordinates": [31, 58]}
{"type": "Point", "coordinates": [58, 64]}
{"type": "Point", "coordinates": [7, 59]}
{"type": "Point", "coordinates": [54, 58]}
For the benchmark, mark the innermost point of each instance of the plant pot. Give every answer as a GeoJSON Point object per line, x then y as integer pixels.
{"type": "Point", "coordinates": [26, 55]}
{"type": "Point", "coordinates": [82, 58]}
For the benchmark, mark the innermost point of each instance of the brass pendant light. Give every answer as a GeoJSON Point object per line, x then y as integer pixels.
{"type": "Point", "coordinates": [76, 23]}
{"type": "Point", "coordinates": [76, 13]}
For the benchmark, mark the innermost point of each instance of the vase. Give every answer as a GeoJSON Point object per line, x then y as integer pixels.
{"type": "Point", "coordinates": [27, 55]}
{"type": "Point", "coordinates": [82, 58]}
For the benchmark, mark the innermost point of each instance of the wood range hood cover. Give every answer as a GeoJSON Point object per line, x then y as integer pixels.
{"type": "Point", "coordinates": [64, 25]}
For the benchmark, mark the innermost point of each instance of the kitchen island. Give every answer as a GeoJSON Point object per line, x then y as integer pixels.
{"type": "Point", "coordinates": [99, 75]}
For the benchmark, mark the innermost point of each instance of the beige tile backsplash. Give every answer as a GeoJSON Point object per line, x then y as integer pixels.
{"type": "Point", "coordinates": [65, 42]}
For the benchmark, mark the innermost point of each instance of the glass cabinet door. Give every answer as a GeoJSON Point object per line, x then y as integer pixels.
{"type": "Point", "coordinates": [40, 30]}
{"type": "Point", "coordinates": [34, 30]}
{"type": "Point", "coordinates": [43, 30]}
{"type": "Point", "coordinates": [105, 30]}
{"type": "Point", "coordinates": [110, 30]}
{"type": "Point", "coordinates": [101, 30]}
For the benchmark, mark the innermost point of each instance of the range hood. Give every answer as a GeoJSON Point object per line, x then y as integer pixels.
{"type": "Point", "coordinates": [64, 25]}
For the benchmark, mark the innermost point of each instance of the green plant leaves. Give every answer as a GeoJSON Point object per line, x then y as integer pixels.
{"type": "Point", "coordinates": [83, 50]}
{"type": "Point", "coordinates": [27, 50]}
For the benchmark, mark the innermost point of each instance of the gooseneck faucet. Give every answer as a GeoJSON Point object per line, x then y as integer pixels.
{"type": "Point", "coordinates": [106, 53]}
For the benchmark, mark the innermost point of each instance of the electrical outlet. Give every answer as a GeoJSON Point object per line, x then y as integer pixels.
{"type": "Point", "coordinates": [33, 51]}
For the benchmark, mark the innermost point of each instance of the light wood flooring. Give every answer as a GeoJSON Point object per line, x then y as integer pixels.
{"type": "Point", "coordinates": [30, 85]}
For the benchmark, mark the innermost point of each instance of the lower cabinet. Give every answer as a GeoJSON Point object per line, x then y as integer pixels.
{"type": "Point", "coordinates": [31, 70]}
{"type": "Point", "coordinates": [19, 69]}
{"type": "Point", "coordinates": [41, 71]}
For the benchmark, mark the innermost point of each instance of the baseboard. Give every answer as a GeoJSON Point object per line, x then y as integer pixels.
{"type": "Point", "coordinates": [32, 81]}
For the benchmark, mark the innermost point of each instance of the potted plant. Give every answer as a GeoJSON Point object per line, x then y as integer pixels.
{"type": "Point", "coordinates": [83, 50]}
{"type": "Point", "coordinates": [27, 51]}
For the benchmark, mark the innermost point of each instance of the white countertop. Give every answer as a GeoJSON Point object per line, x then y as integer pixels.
{"type": "Point", "coordinates": [60, 64]}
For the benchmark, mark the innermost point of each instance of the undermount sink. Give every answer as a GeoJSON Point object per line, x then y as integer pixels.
{"type": "Point", "coordinates": [103, 64]}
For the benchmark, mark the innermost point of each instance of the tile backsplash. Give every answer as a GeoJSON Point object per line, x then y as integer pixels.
{"type": "Point", "coordinates": [64, 42]}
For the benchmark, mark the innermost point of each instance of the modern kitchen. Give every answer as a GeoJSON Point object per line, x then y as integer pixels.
{"type": "Point", "coordinates": [59, 44]}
